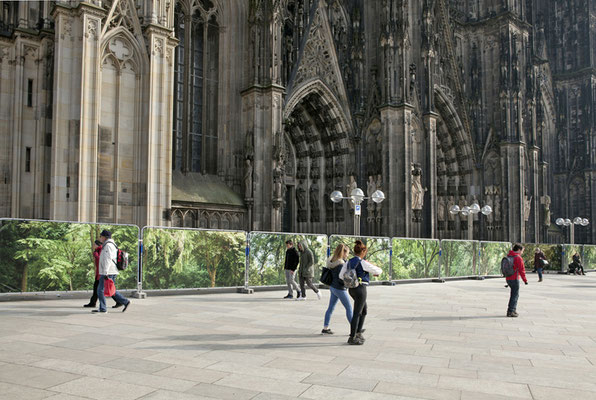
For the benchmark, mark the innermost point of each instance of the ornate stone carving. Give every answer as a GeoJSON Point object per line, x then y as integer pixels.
{"type": "Point", "coordinates": [92, 29]}
{"type": "Point", "coordinates": [158, 47]}
{"type": "Point", "coordinates": [317, 61]}
{"type": "Point", "coordinates": [301, 201]}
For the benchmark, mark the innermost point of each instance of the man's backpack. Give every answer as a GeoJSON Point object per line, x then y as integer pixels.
{"type": "Point", "coordinates": [121, 259]}
{"type": "Point", "coordinates": [507, 266]}
{"type": "Point", "coordinates": [351, 277]}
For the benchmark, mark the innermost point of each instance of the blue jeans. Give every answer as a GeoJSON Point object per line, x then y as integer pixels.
{"type": "Point", "coordinates": [102, 298]}
{"type": "Point", "coordinates": [341, 295]}
{"type": "Point", "coordinates": [539, 270]}
{"type": "Point", "coordinates": [514, 285]}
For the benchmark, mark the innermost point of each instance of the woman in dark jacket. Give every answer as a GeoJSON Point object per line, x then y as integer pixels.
{"type": "Point", "coordinates": [539, 262]}
{"type": "Point", "coordinates": [337, 289]}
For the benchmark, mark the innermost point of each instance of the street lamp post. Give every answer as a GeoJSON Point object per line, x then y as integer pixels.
{"type": "Point", "coordinates": [357, 196]}
{"type": "Point", "coordinates": [576, 221]}
{"type": "Point", "coordinates": [469, 211]}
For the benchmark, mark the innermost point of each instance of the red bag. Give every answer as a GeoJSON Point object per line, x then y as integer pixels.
{"type": "Point", "coordinates": [109, 289]}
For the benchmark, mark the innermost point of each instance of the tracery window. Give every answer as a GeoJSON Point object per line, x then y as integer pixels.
{"type": "Point", "coordinates": [196, 72]}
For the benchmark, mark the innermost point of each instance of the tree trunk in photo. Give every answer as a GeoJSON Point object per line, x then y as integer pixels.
{"type": "Point", "coordinates": [24, 279]}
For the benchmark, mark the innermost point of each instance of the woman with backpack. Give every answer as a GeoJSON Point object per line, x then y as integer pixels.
{"type": "Point", "coordinates": [362, 270]}
{"type": "Point", "coordinates": [337, 289]}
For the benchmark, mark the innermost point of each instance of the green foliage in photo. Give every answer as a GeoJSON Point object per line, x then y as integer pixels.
{"type": "Point", "coordinates": [588, 257]}
{"type": "Point", "coordinates": [552, 252]}
{"type": "Point", "coordinates": [268, 252]}
{"type": "Point", "coordinates": [57, 256]}
{"type": "Point", "coordinates": [491, 254]}
{"type": "Point", "coordinates": [458, 257]}
{"type": "Point", "coordinates": [183, 258]}
{"type": "Point", "coordinates": [378, 251]}
{"type": "Point", "coordinates": [415, 258]}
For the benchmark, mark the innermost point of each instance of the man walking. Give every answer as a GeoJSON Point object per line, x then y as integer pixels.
{"type": "Point", "coordinates": [512, 280]}
{"type": "Point", "coordinates": [290, 265]}
{"type": "Point", "coordinates": [307, 270]}
{"type": "Point", "coordinates": [108, 270]}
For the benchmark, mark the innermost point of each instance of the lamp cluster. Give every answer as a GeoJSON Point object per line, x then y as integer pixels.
{"type": "Point", "coordinates": [473, 209]}
{"type": "Point", "coordinates": [576, 221]}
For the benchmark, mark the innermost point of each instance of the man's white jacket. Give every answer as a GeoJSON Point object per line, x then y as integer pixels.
{"type": "Point", "coordinates": [107, 258]}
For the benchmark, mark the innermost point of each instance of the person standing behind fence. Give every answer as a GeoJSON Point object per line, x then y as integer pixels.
{"type": "Point", "coordinates": [96, 253]}
{"type": "Point", "coordinates": [578, 264]}
{"type": "Point", "coordinates": [539, 262]}
{"type": "Point", "coordinates": [307, 270]}
{"type": "Point", "coordinates": [363, 269]}
{"type": "Point", "coordinates": [108, 270]}
{"type": "Point", "coordinates": [512, 280]}
{"type": "Point", "coordinates": [337, 289]}
{"type": "Point", "coordinates": [290, 265]}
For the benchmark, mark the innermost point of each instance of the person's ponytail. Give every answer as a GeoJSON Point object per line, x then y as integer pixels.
{"type": "Point", "coordinates": [359, 247]}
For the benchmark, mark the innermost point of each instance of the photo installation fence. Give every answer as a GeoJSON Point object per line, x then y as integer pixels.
{"type": "Point", "coordinates": [176, 258]}
{"type": "Point", "coordinates": [46, 256]}
{"type": "Point", "coordinates": [38, 256]}
{"type": "Point", "coordinates": [415, 258]}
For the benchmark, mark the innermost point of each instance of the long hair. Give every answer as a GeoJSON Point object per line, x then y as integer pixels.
{"type": "Point", "coordinates": [339, 252]}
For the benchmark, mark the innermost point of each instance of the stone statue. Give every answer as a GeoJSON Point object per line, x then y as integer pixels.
{"type": "Point", "coordinates": [371, 187]}
{"type": "Point", "coordinates": [441, 209]}
{"type": "Point", "coordinates": [351, 186]}
{"type": "Point", "coordinates": [301, 196]}
{"type": "Point", "coordinates": [249, 145]}
{"type": "Point", "coordinates": [417, 190]}
{"type": "Point", "coordinates": [527, 207]}
{"type": "Point", "coordinates": [450, 205]}
{"type": "Point", "coordinates": [314, 197]}
{"type": "Point", "coordinates": [497, 211]}
{"type": "Point", "coordinates": [248, 178]}
{"type": "Point", "coordinates": [546, 201]}
{"type": "Point", "coordinates": [277, 180]}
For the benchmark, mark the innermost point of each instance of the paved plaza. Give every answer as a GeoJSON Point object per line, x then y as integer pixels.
{"type": "Point", "coordinates": [424, 341]}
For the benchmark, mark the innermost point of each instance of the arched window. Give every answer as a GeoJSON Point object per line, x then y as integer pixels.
{"type": "Point", "coordinates": [195, 90]}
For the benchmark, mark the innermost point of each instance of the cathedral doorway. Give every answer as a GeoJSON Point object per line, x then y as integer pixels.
{"type": "Point", "coordinates": [316, 151]}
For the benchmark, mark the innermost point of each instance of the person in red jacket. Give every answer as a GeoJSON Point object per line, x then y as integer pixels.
{"type": "Point", "coordinates": [96, 253]}
{"type": "Point", "coordinates": [512, 280]}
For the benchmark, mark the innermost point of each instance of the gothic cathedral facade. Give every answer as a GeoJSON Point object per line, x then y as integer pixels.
{"type": "Point", "coordinates": [247, 114]}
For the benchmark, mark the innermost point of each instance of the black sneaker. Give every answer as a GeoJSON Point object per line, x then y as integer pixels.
{"type": "Point", "coordinates": [513, 314]}
{"type": "Point", "coordinates": [359, 337]}
{"type": "Point", "coordinates": [89, 305]}
{"type": "Point", "coordinates": [126, 306]}
{"type": "Point", "coordinates": [289, 297]}
{"type": "Point", "coordinates": [99, 311]}
{"type": "Point", "coordinates": [117, 305]}
{"type": "Point", "coordinates": [327, 331]}
{"type": "Point", "coordinates": [355, 341]}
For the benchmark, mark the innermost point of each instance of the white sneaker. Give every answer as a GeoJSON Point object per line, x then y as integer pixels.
{"type": "Point", "coordinates": [319, 295]}
{"type": "Point", "coordinates": [302, 299]}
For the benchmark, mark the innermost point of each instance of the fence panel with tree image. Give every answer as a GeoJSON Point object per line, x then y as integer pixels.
{"type": "Point", "coordinates": [458, 257]}
{"type": "Point", "coordinates": [552, 252]}
{"type": "Point", "coordinates": [379, 250]}
{"type": "Point", "coordinates": [176, 258]}
{"type": "Point", "coordinates": [588, 256]}
{"type": "Point", "coordinates": [268, 252]}
{"type": "Point", "coordinates": [415, 258]}
{"type": "Point", "coordinates": [567, 252]}
{"type": "Point", "coordinates": [40, 256]}
{"type": "Point", "coordinates": [491, 254]}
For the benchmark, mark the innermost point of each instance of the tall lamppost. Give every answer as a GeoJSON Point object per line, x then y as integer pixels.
{"type": "Point", "coordinates": [576, 221]}
{"type": "Point", "coordinates": [469, 211]}
{"type": "Point", "coordinates": [357, 196]}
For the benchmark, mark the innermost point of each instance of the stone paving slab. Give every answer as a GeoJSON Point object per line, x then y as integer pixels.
{"type": "Point", "coordinates": [424, 341]}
